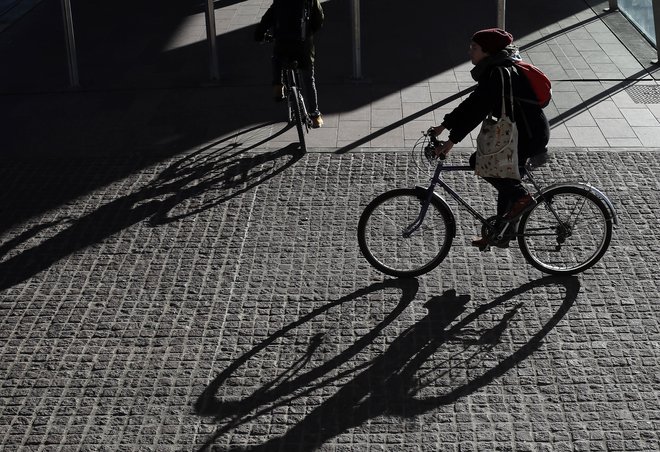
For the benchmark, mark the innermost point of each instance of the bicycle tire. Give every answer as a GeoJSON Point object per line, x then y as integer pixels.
{"type": "Point", "coordinates": [297, 116]}
{"type": "Point", "coordinates": [575, 244]}
{"type": "Point", "coordinates": [381, 226]}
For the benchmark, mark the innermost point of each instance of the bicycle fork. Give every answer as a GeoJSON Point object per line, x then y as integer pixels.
{"type": "Point", "coordinates": [407, 232]}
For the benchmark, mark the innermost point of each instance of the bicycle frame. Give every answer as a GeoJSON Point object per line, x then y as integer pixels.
{"type": "Point", "coordinates": [429, 146]}
{"type": "Point", "coordinates": [437, 180]}
{"type": "Point", "coordinates": [291, 78]}
{"type": "Point", "coordinates": [565, 231]}
{"type": "Point", "coordinates": [430, 191]}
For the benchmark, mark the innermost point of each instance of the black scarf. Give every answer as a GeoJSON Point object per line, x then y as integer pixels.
{"type": "Point", "coordinates": [501, 58]}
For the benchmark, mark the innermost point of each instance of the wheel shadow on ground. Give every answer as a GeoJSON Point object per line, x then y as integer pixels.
{"type": "Point", "coordinates": [406, 380]}
{"type": "Point", "coordinates": [210, 176]}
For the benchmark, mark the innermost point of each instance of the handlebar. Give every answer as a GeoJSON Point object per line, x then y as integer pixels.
{"type": "Point", "coordinates": [267, 37]}
{"type": "Point", "coordinates": [433, 144]}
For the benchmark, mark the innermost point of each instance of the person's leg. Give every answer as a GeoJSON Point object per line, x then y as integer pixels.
{"type": "Point", "coordinates": [311, 95]}
{"type": "Point", "coordinates": [278, 89]}
{"type": "Point", "coordinates": [276, 70]}
{"type": "Point", "coordinates": [508, 192]}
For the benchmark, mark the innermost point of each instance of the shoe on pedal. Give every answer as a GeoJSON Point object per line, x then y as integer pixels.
{"type": "Point", "coordinates": [317, 120]}
{"type": "Point", "coordinates": [278, 93]}
{"type": "Point", "coordinates": [481, 243]}
{"type": "Point", "coordinates": [519, 207]}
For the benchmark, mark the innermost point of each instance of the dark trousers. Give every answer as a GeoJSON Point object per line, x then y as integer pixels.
{"type": "Point", "coordinates": [308, 84]}
{"type": "Point", "coordinates": [529, 144]}
{"type": "Point", "coordinates": [508, 190]}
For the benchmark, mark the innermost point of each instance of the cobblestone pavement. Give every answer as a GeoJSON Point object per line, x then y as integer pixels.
{"type": "Point", "coordinates": [217, 300]}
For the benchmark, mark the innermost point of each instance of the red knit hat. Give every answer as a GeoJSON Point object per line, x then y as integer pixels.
{"type": "Point", "coordinates": [492, 40]}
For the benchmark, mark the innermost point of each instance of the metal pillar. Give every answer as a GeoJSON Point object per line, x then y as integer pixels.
{"type": "Point", "coordinates": [613, 5]}
{"type": "Point", "coordinates": [357, 44]}
{"type": "Point", "coordinates": [72, 59]}
{"type": "Point", "coordinates": [214, 71]}
{"type": "Point", "coordinates": [501, 14]}
{"type": "Point", "coordinates": [656, 22]}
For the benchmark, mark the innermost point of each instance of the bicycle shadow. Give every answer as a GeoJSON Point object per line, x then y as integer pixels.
{"type": "Point", "coordinates": [283, 389]}
{"type": "Point", "coordinates": [215, 174]}
{"type": "Point", "coordinates": [405, 380]}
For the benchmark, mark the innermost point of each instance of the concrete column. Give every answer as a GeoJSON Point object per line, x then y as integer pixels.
{"type": "Point", "coordinates": [656, 22]}
{"type": "Point", "coordinates": [501, 14]}
{"type": "Point", "coordinates": [357, 39]}
{"type": "Point", "coordinates": [214, 71]}
{"type": "Point", "coordinates": [72, 59]}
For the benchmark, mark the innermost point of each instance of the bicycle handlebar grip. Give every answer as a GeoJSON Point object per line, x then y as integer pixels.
{"type": "Point", "coordinates": [434, 143]}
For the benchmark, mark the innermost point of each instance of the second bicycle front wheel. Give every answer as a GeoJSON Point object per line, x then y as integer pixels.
{"type": "Point", "coordinates": [567, 232]}
{"type": "Point", "coordinates": [387, 243]}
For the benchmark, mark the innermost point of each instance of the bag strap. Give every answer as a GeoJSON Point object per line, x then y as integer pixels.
{"type": "Point", "coordinates": [503, 113]}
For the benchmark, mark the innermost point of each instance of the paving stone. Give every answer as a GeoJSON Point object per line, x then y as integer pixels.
{"type": "Point", "coordinates": [615, 128]}
{"type": "Point", "coordinates": [261, 305]}
{"type": "Point", "coordinates": [214, 298]}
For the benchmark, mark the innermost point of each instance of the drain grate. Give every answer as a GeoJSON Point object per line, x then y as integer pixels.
{"type": "Point", "coordinates": [644, 94]}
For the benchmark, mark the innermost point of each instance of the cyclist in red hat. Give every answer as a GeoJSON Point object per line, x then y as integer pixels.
{"type": "Point", "coordinates": [489, 49]}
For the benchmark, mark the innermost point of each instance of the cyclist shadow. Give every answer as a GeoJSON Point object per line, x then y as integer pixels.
{"type": "Point", "coordinates": [406, 379]}
{"type": "Point", "coordinates": [212, 176]}
{"type": "Point", "coordinates": [223, 173]}
{"type": "Point", "coordinates": [284, 388]}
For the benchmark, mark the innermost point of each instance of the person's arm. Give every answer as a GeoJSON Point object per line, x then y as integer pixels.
{"type": "Point", "coordinates": [266, 22]}
{"type": "Point", "coordinates": [471, 112]}
{"type": "Point", "coordinates": [316, 16]}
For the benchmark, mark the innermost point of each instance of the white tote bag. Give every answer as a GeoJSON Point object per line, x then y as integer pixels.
{"type": "Point", "coordinates": [497, 142]}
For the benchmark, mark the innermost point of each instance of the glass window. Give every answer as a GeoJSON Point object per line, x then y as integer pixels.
{"type": "Point", "coordinates": [640, 13]}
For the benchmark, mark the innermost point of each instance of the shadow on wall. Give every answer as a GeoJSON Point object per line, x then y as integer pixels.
{"type": "Point", "coordinates": [449, 354]}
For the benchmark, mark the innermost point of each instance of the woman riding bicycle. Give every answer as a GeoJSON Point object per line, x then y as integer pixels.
{"type": "Point", "coordinates": [490, 49]}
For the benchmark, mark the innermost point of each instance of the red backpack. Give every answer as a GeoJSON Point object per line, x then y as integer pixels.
{"type": "Point", "coordinates": [539, 82]}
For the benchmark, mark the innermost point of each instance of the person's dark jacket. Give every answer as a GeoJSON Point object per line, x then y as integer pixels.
{"type": "Point", "coordinates": [533, 128]}
{"type": "Point", "coordinates": [294, 38]}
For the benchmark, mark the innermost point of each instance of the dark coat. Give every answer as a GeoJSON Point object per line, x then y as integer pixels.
{"type": "Point", "coordinates": [294, 37]}
{"type": "Point", "coordinates": [533, 128]}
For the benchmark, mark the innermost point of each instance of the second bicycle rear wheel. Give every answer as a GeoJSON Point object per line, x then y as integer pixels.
{"type": "Point", "coordinates": [382, 239]}
{"type": "Point", "coordinates": [298, 108]}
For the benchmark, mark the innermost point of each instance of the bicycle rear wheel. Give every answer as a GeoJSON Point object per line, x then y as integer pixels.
{"type": "Point", "coordinates": [567, 232]}
{"type": "Point", "coordinates": [382, 239]}
{"type": "Point", "coordinates": [296, 104]}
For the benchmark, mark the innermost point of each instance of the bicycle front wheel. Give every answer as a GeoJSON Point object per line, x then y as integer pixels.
{"type": "Point", "coordinates": [567, 232]}
{"type": "Point", "coordinates": [385, 238]}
